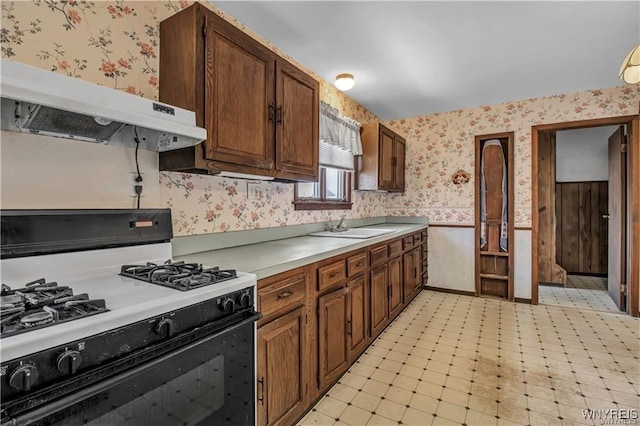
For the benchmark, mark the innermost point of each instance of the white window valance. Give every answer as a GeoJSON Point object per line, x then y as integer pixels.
{"type": "Point", "coordinates": [339, 138]}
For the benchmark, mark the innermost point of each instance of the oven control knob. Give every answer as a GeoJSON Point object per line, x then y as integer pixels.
{"type": "Point", "coordinates": [166, 327]}
{"type": "Point", "coordinates": [228, 305]}
{"type": "Point", "coordinates": [24, 377]}
{"type": "Point", "coordinates": [244, 300]}
{"type": "Point", "coordinates": [69, 361]}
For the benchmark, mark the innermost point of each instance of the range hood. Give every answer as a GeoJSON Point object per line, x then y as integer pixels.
{"type": "Point", "coordinates": [42, 102]}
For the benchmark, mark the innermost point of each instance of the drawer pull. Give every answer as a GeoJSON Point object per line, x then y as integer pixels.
{"type": "Point", "coordinates": [284, 295]}
{"type": "Point", "coordinates": [360, 264]}
{"type": "Point", "coordinates": [261, 393]}
{"type": "Point", "coordinates": [333, 275]}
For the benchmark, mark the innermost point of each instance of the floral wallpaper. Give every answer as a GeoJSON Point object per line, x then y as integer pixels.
{"type": "Point", "coordinates": [440, 144]}
{"type": "Point", "coordinates": [115, 43]}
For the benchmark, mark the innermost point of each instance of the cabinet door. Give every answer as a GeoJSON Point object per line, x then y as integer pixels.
{"type": "Point", "coordinates": [240, 98]}
{"type": "Point", "coordinates": [399, 163]}
{"type": "Point", "coordinates": [297, 103]}
{"type": "Point", "coordinates": [386, 160]}
{"type": "Point", "coordinates": [281, 369]}
{"type": "Point", "coordinates": [412, 277]}
{"type": "Point", "coordinates": [395, 286]}
{"type": "Point", "coordinates": [417, 262]}
{"type": "Point", "coordinates": [379, 300]}
{"type": "Point", "coordinates": [332, 336]}
{"type": "Point", "coordinates": [357, 330]}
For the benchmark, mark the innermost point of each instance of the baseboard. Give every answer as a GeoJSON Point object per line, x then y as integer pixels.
{"type": "Point", "coordinates": [523, 300]}
{"type": "Point", "coordinates": [551, 284]}
{"type": "Point", "coordinates": [449, 290]}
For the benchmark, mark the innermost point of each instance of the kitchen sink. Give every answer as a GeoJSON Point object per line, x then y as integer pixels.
{"type": "Point", "coordinates": [361, 233]}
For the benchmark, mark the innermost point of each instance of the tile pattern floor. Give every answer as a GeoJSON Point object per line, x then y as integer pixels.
{"type": "Point", "coordinates": [580, 292]}
{"type": "Point", "coordinates": [451, 359]}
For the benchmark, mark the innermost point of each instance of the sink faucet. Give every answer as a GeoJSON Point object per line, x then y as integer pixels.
{"type": "Point", "coordinates": [339, 227]}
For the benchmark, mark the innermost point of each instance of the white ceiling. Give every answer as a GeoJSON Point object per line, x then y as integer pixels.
{"type": "Point", "coordinates": [414, 58]}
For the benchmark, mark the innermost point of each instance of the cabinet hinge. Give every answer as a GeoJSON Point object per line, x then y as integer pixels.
{"type": "Point", "coordinates": [204, 27]}
{"type": "Point", "coordinates": [623, 288]}
{"type": "Point", "coordinates": [623, 147]}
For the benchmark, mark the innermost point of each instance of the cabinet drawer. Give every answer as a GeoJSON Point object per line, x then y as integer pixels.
{"type": "Point", "coordinates": [356, 264]}
{"type": "Point", "coordinates": [395, 248]}
{"type": "Point", "coordinates": [283, 295]}
{"type": "Point", "coordinates": [331, 274]}
{"type": "Point", "coordinates": [424, 235]}
{"type": "Point", "coordinates": [378, 255]}
{"type": "Point", "coordinates": [407, 242]}
{"type": "Point", "coordinates": [417, 239]}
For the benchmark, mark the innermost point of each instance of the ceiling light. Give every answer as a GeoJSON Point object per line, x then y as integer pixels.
{"type": "Point", "coordinates": [630, 69]}
{"type": "Point", "coordinates": [344, 82]}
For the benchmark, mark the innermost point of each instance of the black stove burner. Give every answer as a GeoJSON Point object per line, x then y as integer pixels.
{"type": "Point", "coordinates": [178, 275]}
{"type": "Point", "coordinates": [41, 304]}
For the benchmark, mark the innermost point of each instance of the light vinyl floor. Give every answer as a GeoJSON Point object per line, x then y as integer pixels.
{"type": "Point", "coordinates": [451, 359]}
{"type": "Point", "coordinates": [581, 292]}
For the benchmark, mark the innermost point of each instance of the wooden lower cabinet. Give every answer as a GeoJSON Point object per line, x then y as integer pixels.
{"type": "Point", "coordinates": [281, 368]}
{"type": "Point", "coordinates": [412, 273]}
{"type": "Point", "coordinates": [332, 337]}
{"type": "Point", "coordinates": [379, 299]}
{"type": "Point", "coordinates": [395, 286]}
{"type": "Point", "coordinates": [357, 329]}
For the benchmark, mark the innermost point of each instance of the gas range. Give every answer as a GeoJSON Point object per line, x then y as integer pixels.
{"type": "Point", "coordinates": [99, 320]}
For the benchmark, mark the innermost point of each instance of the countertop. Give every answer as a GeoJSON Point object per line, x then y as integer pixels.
{"type": "Point", "coordinates": [273, 257]}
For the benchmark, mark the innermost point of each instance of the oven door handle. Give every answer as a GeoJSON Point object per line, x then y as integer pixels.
{"type": "Point", "coordinates": [82, 394]}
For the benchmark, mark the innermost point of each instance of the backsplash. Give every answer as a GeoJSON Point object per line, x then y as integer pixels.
{"type": "Point", "coordinates": [440, 144]}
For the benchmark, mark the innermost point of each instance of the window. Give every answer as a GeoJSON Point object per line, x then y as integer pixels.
{"type": "Point", "coordinates": [331, 192]}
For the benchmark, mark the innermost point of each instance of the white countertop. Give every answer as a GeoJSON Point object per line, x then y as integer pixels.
{"type": "Point", "coordinates": [273, 257]}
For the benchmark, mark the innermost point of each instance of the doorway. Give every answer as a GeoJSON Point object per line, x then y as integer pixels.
{"type": "Point", "coordinates": [586, 228]}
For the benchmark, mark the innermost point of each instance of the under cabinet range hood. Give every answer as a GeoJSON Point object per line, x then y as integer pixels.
{"type": "Point", "coordinates": [47, 103]}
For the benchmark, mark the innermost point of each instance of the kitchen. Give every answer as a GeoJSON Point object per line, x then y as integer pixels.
{"type": "Point", "coordinates": [32, 175]}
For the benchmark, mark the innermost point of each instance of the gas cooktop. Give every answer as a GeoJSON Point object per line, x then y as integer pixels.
{"type": "Point", "coordinates": [178, 275]}
{"type": "Point", "coordinates": [41, 304]}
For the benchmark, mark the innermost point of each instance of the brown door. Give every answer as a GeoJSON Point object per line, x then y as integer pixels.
{"type": "Point", "coordinates": [395, 286]}
{"type": "Point", "coordinates": [617, 217]}
{"type": "Point", "coordinates": [281, 370]}
{"type": "Point", "coordinates": [332, 323]}
{"type": "Point", "coordinates": [385, 167]}
{"type": "Point", "coordinates": [399, 161]}
{"type": "Point", "coordinates": [379, 300]}
{"type": "Point", "coordinates": [297, 103]}
{"type": "Point", "coordinates": [240, 93]}
{"type": "Point", "coordinates": [356, 325]}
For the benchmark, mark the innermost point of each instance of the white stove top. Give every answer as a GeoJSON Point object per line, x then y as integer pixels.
{"type": "Point", "coordinates": [128, 300]}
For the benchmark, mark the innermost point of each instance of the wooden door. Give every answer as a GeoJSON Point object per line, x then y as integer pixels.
{"type": "Point", "coordinates": [399, 163]}
{"type": "Point", "coordinates": [281, 369]}
{"type": "Point", "coordinates": [240, 96]}
{"type": "Point", "coordinates": [332, 337]}
{"type": "Point", "coordinates": [395, 286]}
{"type": "Point", "coordinates": [617, 218]}
{"type": "Point", "coordinates": [357, 330]}
{"type": "Point", "coordinates": [581, 235]}
{"type": "Point", "coordinates": [296, 116]}
{"type": "Point", "coordinates": [386, 170]}
{"type": "Point", "coordinates": [379, 300]}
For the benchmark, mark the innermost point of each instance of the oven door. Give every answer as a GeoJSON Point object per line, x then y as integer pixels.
{"type": "Point", "coordinates": [209, 381]}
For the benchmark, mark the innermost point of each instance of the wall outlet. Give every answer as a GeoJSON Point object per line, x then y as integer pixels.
{"type": "Point", "coordinates": [133, 183]}
{"type": "Point", "coordinates": [253, 190]}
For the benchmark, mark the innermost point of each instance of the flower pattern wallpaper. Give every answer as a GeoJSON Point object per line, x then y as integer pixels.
{"type": "Point", "coordinates": [440, 144]}
{"type": "Point", "coordinates": [115, 43]}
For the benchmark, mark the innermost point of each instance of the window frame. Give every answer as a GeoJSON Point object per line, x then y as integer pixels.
{"type": "Point", "coordinates": [324, 203]}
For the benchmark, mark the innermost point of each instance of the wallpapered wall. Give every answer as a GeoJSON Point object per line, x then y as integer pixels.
{"type": "Point", "coordinates": [115, 43]}
{"type": "Point", "coordinates": [440, 144]}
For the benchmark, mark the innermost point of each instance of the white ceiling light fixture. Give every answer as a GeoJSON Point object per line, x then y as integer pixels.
{"type": "Point", "coordinates": [630, 69]}
{"type": "Point", "coordinates": [344, 82]}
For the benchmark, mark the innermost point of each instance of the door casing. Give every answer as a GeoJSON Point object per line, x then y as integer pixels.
{"type": "Point", "coordinates": [633, 125]}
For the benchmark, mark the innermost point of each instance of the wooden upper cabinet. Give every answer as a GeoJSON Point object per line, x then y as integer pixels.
{"type": "Point", "coordinates": [260, 112]}
{"type": "Point", "coordinates": [296, 118]}
{"type": "Point", "coordinates": [239, 93]}
{"type": "Point", "coordinates": [381, 167]}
